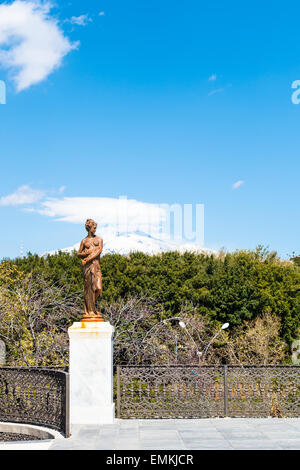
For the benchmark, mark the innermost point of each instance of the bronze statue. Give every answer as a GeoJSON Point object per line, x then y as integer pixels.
{"type": "Point", "coordinates": [90, 249]}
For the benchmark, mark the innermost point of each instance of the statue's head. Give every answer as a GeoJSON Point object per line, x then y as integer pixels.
{"type": "Point", "coordinates": [91, 226]}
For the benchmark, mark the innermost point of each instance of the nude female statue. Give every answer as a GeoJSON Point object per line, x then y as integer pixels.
{"type": "Point", "coordinates": [90, 249]}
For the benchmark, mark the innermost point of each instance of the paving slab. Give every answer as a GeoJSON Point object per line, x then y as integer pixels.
{"type": "Point", "coordinates": [289, 444]}
{"type": "Point", "coordinates": [240, 434]}
{"type": "Point", "coordinates": [184, 434]}
{"type": "Point", "coordinates": [255, 445]}
{"type": "Point", "coordinates": [200, 437]}
{"type": "Point", "coordinates": [217, 444]}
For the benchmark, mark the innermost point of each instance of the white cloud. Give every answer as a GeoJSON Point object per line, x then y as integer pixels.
{"type": "Point", "coordinates": [112, 214]}
{"type": "Point", "coordinates": [101, 13]}
{"type": "Point", "coordinates": [23, 195]}
{"type": "Point", "coordinates": [237, 184]}
{"type": "Point", "coordinates": [212, 78]}
{"type": "Point", "coordinates": [81, 20]}
{"type": "Point", "coordinates": [32, 44]}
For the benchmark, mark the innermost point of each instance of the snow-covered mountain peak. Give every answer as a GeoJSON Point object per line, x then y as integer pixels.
{"type": "Point", "coordinates": [124, 244]}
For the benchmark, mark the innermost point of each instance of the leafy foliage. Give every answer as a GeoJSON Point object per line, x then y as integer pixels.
{"type": "Point", "coordinates": [144, 296]}
{"type": "Point", "coordinates": [234, 287]}
{"type": "Point", "coordinates": [34, 316]}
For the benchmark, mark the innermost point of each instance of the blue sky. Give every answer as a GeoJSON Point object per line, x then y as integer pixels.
{"type": "Point", "coordinates": [163, 102]}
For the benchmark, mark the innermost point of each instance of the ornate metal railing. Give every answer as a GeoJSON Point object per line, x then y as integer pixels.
{"type": "Point", "coordinates": [208, 391]}
{"type": "Point", "coordinates": [35, 396]}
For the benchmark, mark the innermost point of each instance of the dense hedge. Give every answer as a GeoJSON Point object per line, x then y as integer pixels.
{"type": "Point", "coordinates": [233, 287]}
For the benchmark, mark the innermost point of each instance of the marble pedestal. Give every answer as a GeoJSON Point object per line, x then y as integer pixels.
{"type": "Point", "coordinates": [91, 373]}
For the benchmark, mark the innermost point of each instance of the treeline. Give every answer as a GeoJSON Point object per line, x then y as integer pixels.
{"type": "Point", "coordinates": [234, 287]}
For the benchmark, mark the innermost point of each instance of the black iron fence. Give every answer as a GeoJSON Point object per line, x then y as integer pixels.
{"type": "Point", "coordinates": [35, 396]}
{"type": "Point", "coordinates": [208, 391]}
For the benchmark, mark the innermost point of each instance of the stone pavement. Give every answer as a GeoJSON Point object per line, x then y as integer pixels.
{"type": "Point", "coordinates": [186, 434]}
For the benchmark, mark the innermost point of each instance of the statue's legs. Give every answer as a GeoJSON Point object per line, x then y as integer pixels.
{"type": "Point", "coordinates": [92, 289]}
{"type": "Point", "coordinates": [98, 285]}
{"type": "Point", "coordinates": [89, 294]}
{"type": "Point", "coordinates": [98, 291]}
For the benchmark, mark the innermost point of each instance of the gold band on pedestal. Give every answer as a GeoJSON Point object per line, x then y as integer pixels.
{"type": "Point", "coordinates": [86, 318]}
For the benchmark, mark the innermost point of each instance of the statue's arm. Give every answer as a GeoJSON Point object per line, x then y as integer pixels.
{"type": "Point", "coordinates": [101, 245]}
{"type": "Point", "coordinates": [80, 251]}
{"type": "Point", "coordinates": [97, 252]}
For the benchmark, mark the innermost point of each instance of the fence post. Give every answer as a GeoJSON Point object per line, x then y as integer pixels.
{"type": "Point", "coordinates": [225, 391]}
{"type": "Point", "coordinates": [118, 393]}
{"type": "Point", "coordinates": [67, 405]}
